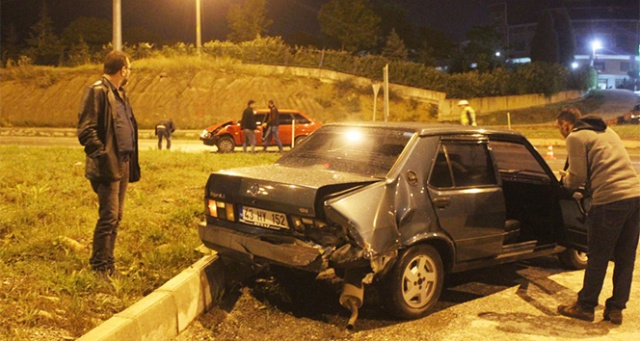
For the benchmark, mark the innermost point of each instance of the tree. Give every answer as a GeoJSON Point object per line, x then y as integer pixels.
{"type": "Point", "coordinates": [544, 45]}
{"type": "Point", "coordinates": [394, 17]}
{"type": "Point", "coordinates": [247, 20]}
{"type": "Point", "coordinates": [480, 50]}
{"type": "Point", "coordinates": [10, 48]}
{"type": "Point", "coordinates": [566, 38]}
{"type": "Point", "coordinates": [44, 46]}
{"type": "Point", "coordinates": [395, 48]}
{"type": "Point", "coordinates": [352, 22]}
{"type": "Point", "coordinates": [93, 31]}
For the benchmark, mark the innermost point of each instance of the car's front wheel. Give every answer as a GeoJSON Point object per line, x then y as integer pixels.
{"type": "Point", "coordinates": [573, 259]}
{"type": "Point", "coordinates": [414, 284]}
{"type": "Point", "coordinates": [226, 145]}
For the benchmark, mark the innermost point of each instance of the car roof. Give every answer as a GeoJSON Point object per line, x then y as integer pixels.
{"type": "Point", "coordinates": [282, 111]}
{"type": "Point", "coordinates": [430, 129]}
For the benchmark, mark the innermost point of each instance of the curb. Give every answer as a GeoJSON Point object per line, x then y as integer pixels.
{"type": "Point", "coordinates": [169, 310]}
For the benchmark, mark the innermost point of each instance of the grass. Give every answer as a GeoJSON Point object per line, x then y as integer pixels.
{"type": "Point", "coordinates": [47, 215]}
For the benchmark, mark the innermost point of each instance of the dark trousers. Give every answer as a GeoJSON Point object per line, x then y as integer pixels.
{"type": "Point", "coordinates": [613, 234]}
{"type": "Point", "coordinates": [249, 139]}
{"type": "Point", "coordinates": [111, 203]}
{"type": "Point", "coordinates": [166, 134]}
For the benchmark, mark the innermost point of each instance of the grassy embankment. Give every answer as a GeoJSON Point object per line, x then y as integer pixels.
{"type": "Point", "coordinates": [47, 215]}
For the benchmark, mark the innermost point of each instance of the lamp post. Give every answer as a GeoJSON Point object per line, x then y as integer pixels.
{"type": "Point", "coordinates": [595, 46]}
{"type": "Point", "coordinates": [117, 26]}
{"type": "Point", "coordinates": [198, 29]}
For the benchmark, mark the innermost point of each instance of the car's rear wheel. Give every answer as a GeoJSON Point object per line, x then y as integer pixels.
{"type": "Point", "coordinates": [226, 145]}
{"type": "Point", "coordinates": [573, 259]}
{"type": "Point", "coordinates": [414, 284]}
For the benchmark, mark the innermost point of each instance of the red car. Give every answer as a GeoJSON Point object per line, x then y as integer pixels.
{"type": "Point", "coordinates": [226, 136]}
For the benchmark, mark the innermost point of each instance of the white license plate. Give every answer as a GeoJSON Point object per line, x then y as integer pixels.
{"type": "Point", "coordinates": [263, 218]}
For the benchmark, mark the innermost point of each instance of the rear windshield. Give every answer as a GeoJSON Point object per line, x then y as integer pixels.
{"type": "Point", "coordinates": [360, 150]}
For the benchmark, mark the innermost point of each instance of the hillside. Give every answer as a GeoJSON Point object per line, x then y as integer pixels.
{"type": "Point", "coordinates": [194, 92]}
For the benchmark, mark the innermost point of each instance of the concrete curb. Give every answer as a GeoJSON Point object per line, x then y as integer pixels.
{"type": "Point", "coordinates": [167, 311]}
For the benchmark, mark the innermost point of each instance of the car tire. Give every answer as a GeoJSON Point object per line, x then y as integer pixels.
{"type": "Point", "coordinates": [414, 284]}
{"type": "Point", "coordinates": [226, 145]}
{"type": "Point", "coordinates": [573, 259]}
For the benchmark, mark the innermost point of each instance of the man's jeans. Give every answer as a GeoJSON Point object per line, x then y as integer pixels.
{"type": "Point", "coordinates": [111, 201]}
{"type": "Point", "coordinates": [273, 131]}
{"type": "Point", "coordinates": [613, 231]}
{"type": "Point", "coordinates": [250, 139]}
{"type": "Point", "coordinates": [166, 134]}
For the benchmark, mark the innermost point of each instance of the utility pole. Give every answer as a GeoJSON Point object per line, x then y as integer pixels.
{"type": "Point", "coordinates": [386, 92]}
{"type": "Point", "coordinates": [198, 29]}
{"type": "Point", "coordinates": [117, 26]}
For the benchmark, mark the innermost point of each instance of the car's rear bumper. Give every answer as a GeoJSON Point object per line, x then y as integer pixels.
{"type": "Point", "coordinates": [253, 248]}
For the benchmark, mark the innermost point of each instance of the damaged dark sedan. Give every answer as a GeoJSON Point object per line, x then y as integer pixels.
{"type": "Point", "coordinates": [397, 205]}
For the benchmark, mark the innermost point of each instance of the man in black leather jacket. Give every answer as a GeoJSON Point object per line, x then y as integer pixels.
{"type": "Point", "coordinates": [109, 133]}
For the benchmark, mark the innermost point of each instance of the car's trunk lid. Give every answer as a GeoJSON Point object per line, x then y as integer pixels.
{"type": "Point", "coordinates": [281, 189]}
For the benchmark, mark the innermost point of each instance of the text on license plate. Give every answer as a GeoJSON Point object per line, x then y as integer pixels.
{"type": "Point", "coordinates": [263, 218]}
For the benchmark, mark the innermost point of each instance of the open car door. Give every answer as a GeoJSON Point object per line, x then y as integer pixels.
{"type": "Point", "coordinates": [574, 214]}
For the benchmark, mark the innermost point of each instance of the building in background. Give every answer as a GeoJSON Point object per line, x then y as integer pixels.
{"type": "Point", "coordinates": [607, 34]}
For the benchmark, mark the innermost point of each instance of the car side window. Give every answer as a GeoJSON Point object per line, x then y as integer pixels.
{"type": "Point", "coordinates": [285, 118]}
{"type": "Point", "coordinates": [441, 173]}
{"type": "Point", "coordinates": [301, 119]}
{"type": "Point", "coordinates": [515, 158]}
{"type": "Point", "coordinates": [462, 164]}
{"type": "Point", "coordinates": [259, 118]}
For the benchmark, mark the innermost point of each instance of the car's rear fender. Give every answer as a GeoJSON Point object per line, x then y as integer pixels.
{"type": "Point", "coordinates": [368, 214]}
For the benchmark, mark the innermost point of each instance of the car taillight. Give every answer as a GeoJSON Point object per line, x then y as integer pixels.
{"type": "Point", "coordinates": [221, 210]}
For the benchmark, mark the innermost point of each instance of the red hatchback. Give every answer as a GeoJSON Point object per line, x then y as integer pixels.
{"type": "Point", "coordinates": [226, 136]}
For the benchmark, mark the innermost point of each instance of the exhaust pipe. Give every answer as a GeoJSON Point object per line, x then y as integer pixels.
{"type": "Point", "coordinates": [351, 298]}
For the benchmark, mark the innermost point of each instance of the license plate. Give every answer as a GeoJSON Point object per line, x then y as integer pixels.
{"type": "Point", "coordinates": [263, 218]}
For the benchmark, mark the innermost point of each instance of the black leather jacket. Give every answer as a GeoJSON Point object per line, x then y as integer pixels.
{"type": "Point", "coordinates": [96, 132]}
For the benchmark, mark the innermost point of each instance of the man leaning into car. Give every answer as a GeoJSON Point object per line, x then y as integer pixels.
{"type": "Point", "coordinates": [109, 133]}
{"type": "Point", "coordinates": [599, 161]}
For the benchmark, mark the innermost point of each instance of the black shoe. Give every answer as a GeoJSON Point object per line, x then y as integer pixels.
{"type": "Point", "coordinates": [576, 312]}
{"type": "Point", "coordinates": [613, 315]}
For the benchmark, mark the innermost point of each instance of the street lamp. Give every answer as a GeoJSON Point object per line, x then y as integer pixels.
{"type": "Point", "coordinates": [595, 46]}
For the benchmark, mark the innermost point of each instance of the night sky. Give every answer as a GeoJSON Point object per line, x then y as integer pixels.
{"type": "Point", "coordinates": [174, 20]}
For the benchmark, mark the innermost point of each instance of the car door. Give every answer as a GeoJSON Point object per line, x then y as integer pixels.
{"type": "Point", "coordinates": [467, 197]}
{"type": "Point", "coordinates": [284, 131]}
{"type": "Point", "coordinates": [574, 214]}
{"type": "Point", "coordinates": [536, 198]}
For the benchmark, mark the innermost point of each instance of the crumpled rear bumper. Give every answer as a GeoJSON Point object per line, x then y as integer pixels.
{"type": "Point", "coordinates": [289, 252]}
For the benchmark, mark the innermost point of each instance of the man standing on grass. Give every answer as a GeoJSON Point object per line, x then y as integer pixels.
{"type": "Point", "coordinates": [109, 133]}
{"type": "Point", "coordinates": [273, 126]}
{"type": "Point", "coordinates": [248, 126]}
{"type": "Point", "coordinates": [599, 162]}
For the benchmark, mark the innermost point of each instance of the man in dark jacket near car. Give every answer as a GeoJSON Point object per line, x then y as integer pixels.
{"type": "Point", "coordinates": [109, 133]}
{"type": "Point", "coordinates": [248, 126]}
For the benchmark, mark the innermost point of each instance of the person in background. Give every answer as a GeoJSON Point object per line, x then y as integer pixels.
{"type": "Point", "coordinates": [273, 126]}
{"type": "Point", "coordinates": [598, 161]}
{"type": "Point", "coordinates": [165, 128]}
{"type": "Point", "coordinates": [248, 126]}
{"type": "Point", "coordinates": [468, 115]}
{"type": "Point", "coordinates": [108, 131]}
